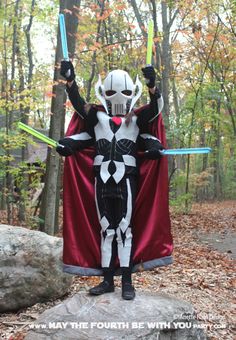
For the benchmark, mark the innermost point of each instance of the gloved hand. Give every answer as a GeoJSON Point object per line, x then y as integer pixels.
{"type": "Point", "coordinates": [67, 70]}
{"type": "Point", "coordinates": [149, 75]}
{"type": "Point", "coordinates": [154, 151]}
{"type": "Point", "coordinates": [64, 147]}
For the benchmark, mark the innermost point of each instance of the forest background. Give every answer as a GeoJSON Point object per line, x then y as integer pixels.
{"type": "Point", "coordinates": [193, 54]}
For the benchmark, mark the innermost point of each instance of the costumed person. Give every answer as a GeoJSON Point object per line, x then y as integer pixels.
{"type": "Point", "coordinates": [129, 189]}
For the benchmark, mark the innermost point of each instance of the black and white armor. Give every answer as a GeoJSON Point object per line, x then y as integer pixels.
{"type": "Point", "coordinates": [115, 146]}
{"type": "Point", "coordinates": [116, 138]}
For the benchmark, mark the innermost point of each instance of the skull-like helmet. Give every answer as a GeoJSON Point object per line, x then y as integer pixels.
{"type": "Point", "coordinates": [118, 93]}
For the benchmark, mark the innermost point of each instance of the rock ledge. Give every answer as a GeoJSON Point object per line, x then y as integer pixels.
{"type": "Point", "coordinates": [30, 268]}
{"type": "Point", "coordinates": [149, 316]}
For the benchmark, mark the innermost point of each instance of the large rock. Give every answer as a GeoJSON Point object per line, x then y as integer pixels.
{"type": "Point", "coordinates": [30, 268]}
{"type": "Point", "coordinates": [149, 316]}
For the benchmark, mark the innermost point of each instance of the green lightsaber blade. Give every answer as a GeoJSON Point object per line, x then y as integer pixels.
{"type": "Point", "coordinates": [37, 134]}
{"type": "Point", "coordinates": [149, 43]}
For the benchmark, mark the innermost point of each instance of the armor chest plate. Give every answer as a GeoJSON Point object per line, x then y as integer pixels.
{"type": "Point", "coordinates": [115, 146]}
{"type": "Point", "coordinates": [111, 128]}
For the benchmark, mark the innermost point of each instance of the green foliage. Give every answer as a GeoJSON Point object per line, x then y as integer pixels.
{"type": "Point", "coordinates": [179, 200]}
{"type": "Point", "coordinates": [203, 76]}
{"type": "Point", "coordinates": [25, 178]}
{"type": "Point", "coordinates": [229, 180]}
{"type": "Point", "coordinates": [182, 204]}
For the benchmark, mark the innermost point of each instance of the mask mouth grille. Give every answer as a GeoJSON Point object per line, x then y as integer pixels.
{"type": "Point", "coordinates": [119, 109]}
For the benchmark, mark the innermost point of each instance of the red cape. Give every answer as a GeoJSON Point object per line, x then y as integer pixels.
{"type": "Point", "coordinates": [151, 222]}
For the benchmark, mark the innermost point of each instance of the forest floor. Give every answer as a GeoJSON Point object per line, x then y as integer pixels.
{"type": "Point", "coordinates": [202, 273]}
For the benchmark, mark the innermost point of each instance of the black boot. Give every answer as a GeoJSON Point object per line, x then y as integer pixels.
{"type": "Point", "coordinates": [102, 288]}
{"type": "Point", "coordinates": [107, 285]}
{"type": "Point", "coordinates": [128, 291]}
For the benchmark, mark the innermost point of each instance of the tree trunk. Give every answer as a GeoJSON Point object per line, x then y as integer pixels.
{"type": "Point", "coordinates": [4, 95]}
{"type": "Point", "coordinates": [156, 43]}
{"type": "Point", "coordinates": [51, 194]}
{"type": "Point", "coordinates": [89, 86]}
{"type": "Point", "coordinates": [9, 180]}
{"type": "Point", "coordinates": [167, 22]}
{"type": "Point", "coordinates": [230, 110]}
{"type": "Point", "coordinates": [165, 63]}
{"type": "Point", "coordinates": [25, 111]}
{"type": "Point", "coordinates": [27, 30]}
{"type": "Point", "coordinates": [217, 163]}
{"type": "Point", "coordinates": [138, 17]}
{"type": "Point", "coordinates": [22, 185]}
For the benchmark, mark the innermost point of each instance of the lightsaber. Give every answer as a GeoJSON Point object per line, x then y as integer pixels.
{"type": "Point", "coordinates": [49, 141]}
{"type": "Point", "coordinates": [185, 151]}
{"type": "Point", "coordinates": [37, 134]}
{"type": "Point", "coordinates": [149, 43]}
{"type": "Point", "coordinates": [63, 37]}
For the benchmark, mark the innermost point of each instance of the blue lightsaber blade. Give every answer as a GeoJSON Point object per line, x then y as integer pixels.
{"type": "Point", "coordinates": [185, 151]}
{"type": "Point", "coordinates": [63, 37]}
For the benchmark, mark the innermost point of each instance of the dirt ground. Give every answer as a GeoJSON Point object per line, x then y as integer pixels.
{"type": "Point", "coordinates": [203, 273]}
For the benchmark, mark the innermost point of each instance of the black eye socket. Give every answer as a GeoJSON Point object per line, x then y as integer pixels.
{"type": "Point", "coordinates": [127, 92]}
{"type": "Point", "coordinates": [110, 93]}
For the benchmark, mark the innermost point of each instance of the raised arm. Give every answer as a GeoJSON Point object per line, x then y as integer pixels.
{"type": "Point", "coordinates": [86, 111]}
{"type": "Point", "coordinates": [69, 145]}
{"type": "Point", "coordinates": [151, 111]}
{"type": "Point", "coordinates": [79, 104]}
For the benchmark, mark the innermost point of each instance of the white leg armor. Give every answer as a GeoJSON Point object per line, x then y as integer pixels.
{"type": "Point", "coordinates": [124, 233]}
{"type": "Point", "coordinates": [114, 215]}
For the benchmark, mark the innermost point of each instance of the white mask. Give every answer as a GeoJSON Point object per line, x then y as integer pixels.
{"type": "Point", "coordinates": [118, 94]}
